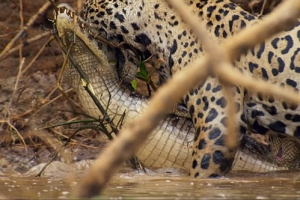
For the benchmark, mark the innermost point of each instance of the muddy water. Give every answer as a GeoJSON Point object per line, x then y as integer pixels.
{"type": "Point", "coordinates": [59, 182]}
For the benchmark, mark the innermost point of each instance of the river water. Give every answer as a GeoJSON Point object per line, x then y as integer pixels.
{"type": "Point", "coordinates": [60, 181]}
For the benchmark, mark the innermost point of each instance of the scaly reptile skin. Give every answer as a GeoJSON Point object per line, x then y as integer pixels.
{"type": "Point", "coordinates": [169, 145]}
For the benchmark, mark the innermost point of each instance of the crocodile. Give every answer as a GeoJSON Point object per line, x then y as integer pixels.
{"type": "Point", "coordinates": [171, 142]}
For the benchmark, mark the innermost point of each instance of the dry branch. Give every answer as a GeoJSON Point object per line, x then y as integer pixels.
{"type": "Point", "coordinates": [132, 136]}
{"type": "Point", "coordinates": [24, 28]}
{"type": "Point", "coordinates": [28, 41]}
{"type": "Point", "coordinates": [38, 54]}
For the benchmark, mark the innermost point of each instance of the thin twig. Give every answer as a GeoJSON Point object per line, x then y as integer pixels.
{"type": "Point", "coordinates": [37, 55]}
{"type": "Point", "coordinates": [263, 7]}
{"type": "Point", "coordinates": [28, 41]}
{"type": "Point", "coordinates": [24, 28]}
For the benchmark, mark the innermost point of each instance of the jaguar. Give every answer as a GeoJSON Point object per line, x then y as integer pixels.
{"type": "Point", "coordinates": [153, 30]}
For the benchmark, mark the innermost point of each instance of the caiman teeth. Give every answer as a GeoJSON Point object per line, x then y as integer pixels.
{"type": "Point", "coordinates": [64, 8]}
{"type": "Point", "coordinates": [65, 11]}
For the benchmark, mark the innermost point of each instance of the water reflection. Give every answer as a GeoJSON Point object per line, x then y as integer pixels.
{"type": "Point", "coordinates": [161, 184]}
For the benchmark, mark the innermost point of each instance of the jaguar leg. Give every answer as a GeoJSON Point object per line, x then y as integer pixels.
{"type": "Point", "coordinates": [211, 156]}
